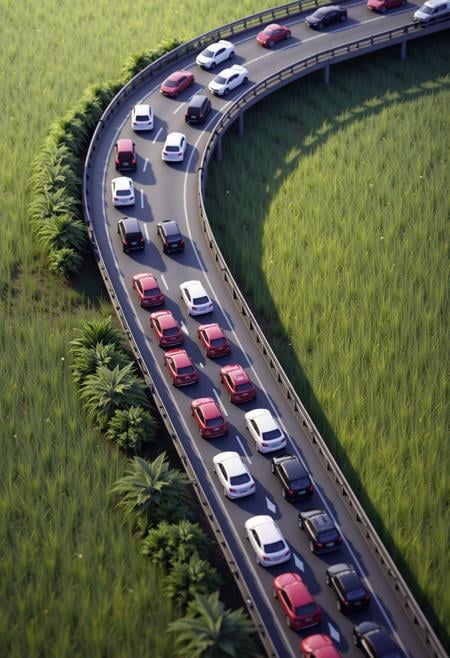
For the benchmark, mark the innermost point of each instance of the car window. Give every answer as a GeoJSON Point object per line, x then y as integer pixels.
{"type": "Point", "coordinates": [171, 364]}
{"type": "Point", "coordinates": [223, 471]}
{"type": "Point", "coordinates": [218, 342]}
{"type": "Point", "coordinates": [243, 478]}
{"type": "Point", "coordinates": [187, 293]}
{"type": "Point", "coordinates": [229, 381]}
{"type": "Point", "coordinates": [220, 51]}
{"type": "Point", "coordinates": [157, 325]}
{"type": "Point", "coordinates": [200, 415]}
{"type": "Point", "coordinates": [286, 599]}
{"type": "Point", "coordinates": [309, 526]}
{"type": "Point", "coordinates": [185, 370]}
{"type": "Point", "coordinates": [139, 286]}
{"type": "Point", "coordinates": [172, 331]}
{"type": "Point", "coordinates": [256, 538]}
{"type": "Point", "coordinates": [255, 427]}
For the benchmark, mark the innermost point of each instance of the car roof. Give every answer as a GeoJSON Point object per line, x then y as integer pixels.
{"type": "Point", "coordinates": [122, 182]}
{"type": "Point", "coordinates": [213, 330]}
{"type": "Point", "coordinates": [197, 100]}
{"type": "Point", "coordinates": [266, 528]}
{"type": "Point", "coordinates": [298, 593]}
{"type": "Point", "coordinates": [232, 462]}
{"type": "Point", "coordinates": [142, 108]}
{"type": "Point", "coordinates": [210, 409]}
{"type": "Point", "coordinates": [434, 3]}
{"type": "Point", "coordinates": [177, 75]}
{"type": "Point", "coordinates": [294, 467]}
{"type": "Point", "coordinates": [236, 68]}
{"type": "Point", "coordinates": [263, 418]}
{"type": "Point", "coordinates": [130, 223]}
{"type": "Point", "coordinates": [147, 278]}
{"type": "Point", "coordinates": [271, 27]}
{"type": "Point", "coordinates": [236, 372]}
{"type": "Point", "coordinates": [320, 519]}
{"type": "Point", "coordinates": [180, 357]}
{"type": "Point", "coordinates": [124, 144]}
{"type": "Point", "coordinates": [174, 139]}
{"type": "Point", "coordinates": [384, 644]}
{"type": "Point", "coordinates": [218, 45]}
{"type": "Point", "coordinates": [194, 287]}
{"type": "Point", "coordinates": [170, 227]}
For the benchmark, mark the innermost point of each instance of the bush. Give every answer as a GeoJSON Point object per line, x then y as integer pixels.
{"type": "Point", "coordinates": [130, 428]}
{"type": "Point", "coordinates": [187, 579]}
{"type": "Point", "coordinates": [173, 542]}
{"type": "Point", "coordinates": [66, 262]}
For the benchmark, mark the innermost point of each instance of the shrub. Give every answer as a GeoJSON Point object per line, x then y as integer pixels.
{"type": "Point", "coordinates": [130, 428]}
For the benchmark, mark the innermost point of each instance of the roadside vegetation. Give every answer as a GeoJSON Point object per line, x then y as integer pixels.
{"type": "Point", "coordinates": [347, 218]}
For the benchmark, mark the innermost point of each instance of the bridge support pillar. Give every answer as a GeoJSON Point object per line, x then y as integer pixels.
{"type": "Point", "coordinates": [241, 124]}
{"type": "Point", "coordinates": [218, 150]}
{"type": "Point", "coordinates": [326, 74]}
{"type": "Point", "coordinates": [403, 50]}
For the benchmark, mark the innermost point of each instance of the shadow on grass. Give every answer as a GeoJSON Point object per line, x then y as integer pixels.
{"type": "Point", "coordinates": [278, 126]}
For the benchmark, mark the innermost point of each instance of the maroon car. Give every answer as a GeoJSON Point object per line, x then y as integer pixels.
{"type": "Point", "coordinates": [147, 288]}
{"type": "Point", "coordinates": [238, 384]}
{"type": "Point", "coordinates": [297, 603]}
{"type": "Point", "coordinates": [166, 328]}
{"type": "Point", "coordinates": [382, 5]}
{"type": "Point", "coordinates": [209, 418]}
{"type": "Point", "coordinates": [272, 34]}
{"type": "Point", "coordinates": [180, 367]}
{"type": "Point", "coordinates": [213, 340]}
{"type": "Point", "coordinates": [318, 646]}
{"type": "Point", "coordinates": [176, 83]}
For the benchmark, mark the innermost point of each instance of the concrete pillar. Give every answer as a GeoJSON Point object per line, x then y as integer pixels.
{"type": "Point", "coordinates": [403, 50]}
{"type": "Point", "coordinates": [218, 150]}
{"type": "Point", "coordinates": [326, 74]}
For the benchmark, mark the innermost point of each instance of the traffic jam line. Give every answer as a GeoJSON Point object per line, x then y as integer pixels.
{"type": "Point", "coordinates": [219, 402]}
{"type": "Point", "coordinates": [163, 279]}
{"type": "Point", "coordinates": [155, 139]}
{"type": "Point", "coordinates": [247, 456]}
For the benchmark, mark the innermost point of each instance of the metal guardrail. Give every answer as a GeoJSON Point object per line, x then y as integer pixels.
{"type": "Point", "coordinates": [256, 93]}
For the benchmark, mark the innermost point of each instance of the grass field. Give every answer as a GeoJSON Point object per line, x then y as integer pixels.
{"type": "Point", "coordinates": [347, 217]}
{"type": "Point", "coordinates": [72, 580]}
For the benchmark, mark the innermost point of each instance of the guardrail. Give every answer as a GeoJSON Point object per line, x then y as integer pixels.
{"type": "Point", "coordinates": [255, 94]}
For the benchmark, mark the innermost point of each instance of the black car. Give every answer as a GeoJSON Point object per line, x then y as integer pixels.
{"type": "Point", "coordinates": [294, 478]}
{"type": "Point", "coordinates": [375, 641]}
{"type": "Point", "coordinates": [322, 533]}
{"type": "Point", "coordinates": [170, 235]}
{"type": "Point", "coordinates": [326, 16]}
{"type": "Point", "coordinates": [348, 587]}
{"type": "Point", "coordinates": [198, 109]}
{"type": "Point", "coordinates": [130, 234]}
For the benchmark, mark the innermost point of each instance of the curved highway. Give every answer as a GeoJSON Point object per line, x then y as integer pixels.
{"type": "Point", "coordinates": [170, 192]}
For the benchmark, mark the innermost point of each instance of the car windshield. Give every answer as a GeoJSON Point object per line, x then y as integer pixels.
{"type": "Point", "coordinates": [152, 292]}
{"type": "Point", "coordinates": [171, 83]}
{"type": "Point", "coordinates": [274, 547]}
{"type": "Point", "coordinates": [185, 370]}
{"type": "Point", "coordinates": [301, 483]}
{"type": "Point", "coordinates": [427, 10]}
{"type": "Point", "coordinates": [220, 80]}
{"type": "Point", "coordinates": [175, 237]}
{"type": "Point", "coordinates": [356, 594]}
{"type": "Point", "coordinates": [123, 192]}
{"type": "Point", "coordinates": [217, 342]}
{"type": "Point", "coordinates": [142, 117]}
{"type": "Point", "coordinates": [208, 53]}
{"type": "Point", "coordinates": [243, 478]}
{"type": "Point", "coordinates": [125, 156]}
{"type": "Point", "coordinates": [268, 32]}
{"type": "Point", "coordinates": [173, 331]}
{"type": "Point", "coordinates": [271, 435]}
{"type": "Point", "coordinates": [320, 13]}
{"type": "Point", "coordinates": [327, 536]}
{"type": "Point", "coordinates": [241, 388]}
{"type": "Point", "coordinates": [305, 610]}
{"type": "Point", "coordinates": [200, 300]}
{"type": "Point", "coordinates": [172, 149]}
{"type": "Point", "coordinates": [214, 422]}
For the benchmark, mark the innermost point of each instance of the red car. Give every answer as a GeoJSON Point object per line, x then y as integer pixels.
{"type": "Point", "coordinates": [319, 646]}
{"type": "Point", "coordinates": [213, 340]}
{"type": "Point", "coordinates": [272, 34]}
{"type": "Point", "coordinates": [176, 83]}
{"type": "Point", "coordinates": [180, 367]}
{"type": "Point", "coordinates": [237, 383]}
{"type": "Point", "coordinates": [296, 601]}
{"type": "Point", "coordinates": [382, 5]}
{"type": "Point", "coordinates": [209, 418]}
{"type": "Point", "coordinates": [148, 290]}
{"type": "Point", "coordinates": [125, 155]}
{"type": "Point", "coordinates": [166, 328]}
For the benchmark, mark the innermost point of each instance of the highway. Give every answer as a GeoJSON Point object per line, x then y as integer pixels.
{"type": "Point", "coordinates": [170, 192]}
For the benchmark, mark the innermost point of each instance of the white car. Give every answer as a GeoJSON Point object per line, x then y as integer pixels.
{"type": "Point", "coordinates": [214, 54]}
{"type": "Point", "coordinates": [267, 541]}
{"type": "Point", "coordinates": [122, 189]}
{"type": "Point", "coordinates": [174, 147]}
{"type": "Point", "coordinates": [142, 118]}
{"type": "Point", "coordinates": [196, 298]}
{"type": "Point", "coordinates": [228, 79]}
{"type": "Point", "coordinates": [233, 475]}
{"type": "Point", "coordinates": [265, 430]}
{"type": "Point", "coordinates": [431, 11]}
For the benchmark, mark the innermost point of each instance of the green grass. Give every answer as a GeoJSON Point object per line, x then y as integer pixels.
{"type": "Point", "coordinates": [347, 217]}
{"type": "Point", "coordinates": [72, 580]}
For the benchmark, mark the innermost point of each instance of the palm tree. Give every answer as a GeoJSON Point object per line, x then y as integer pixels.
{"type": "Point", "coordinates": [152, 492]}
{"type": "Point", "coordinates": [188, 577]}
{"type": "Point", "coordinates": [88, 359]}
{"type": "Point", "coordinates": [93, 332]}
{"type": "Point", "coordinates": [210, 631]}
{"type": "Point", "coordinates": [130, 428]}
{"type": "Point", "coordinates": [63, 231]}
{"type": "Point", "coordinates": [107, 390]}
{"type": "Point", "coordinates": [66, 262]}
{"type": "Point", "coordinates": [171, 542]}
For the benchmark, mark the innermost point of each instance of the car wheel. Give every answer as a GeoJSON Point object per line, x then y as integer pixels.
{"type": "Point", "coordinates": [244, 81]}
{"type": "Point", "coordinates": [320, 26]}
{"type": "Point", "coordinates": [288, 35]}
{"type": "Point", "coordinates": [271, 44]}
{"type": "Point", "coordinates": [311, 546]}
{"type": "Point", "coordinates": [231, 55]}
{"type": "Point", "coordinates": [226, 91]}
{"type": "Point", "coordinates": [213, 66]}
{"type": "Point", "coordinates": [343, 18]}
{"type": "Point", "coordinates": [355, 639]}
{"type": "Point", "coordinates": [288, 622]}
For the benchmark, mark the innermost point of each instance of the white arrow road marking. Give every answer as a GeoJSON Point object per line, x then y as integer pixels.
{"type": "Point", "coordinates": [155, 139]}
{"type": "Point", "coordinates": [334, 633]}
{"type": "Point", "coordinates": [271, 506]}
{"type": "Point", "coordinates": [201, 364]}
{"type": "Point", "coordinates": [142, 198]}
{"type": "Point", "coordinates": [145, 165]}
{"type": "Point", "coordinates": [178, 108]}
{"type": "Point", "coordinates": [184, 329]}
{"type": "Point", "coordinates": [163, 279]}
{"type": "Point", "coordinates": [298, 563]}
{"type": "Point", "coordinates": [243, 449]}
{"type": "Point", "coordinates": [219, 402]}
